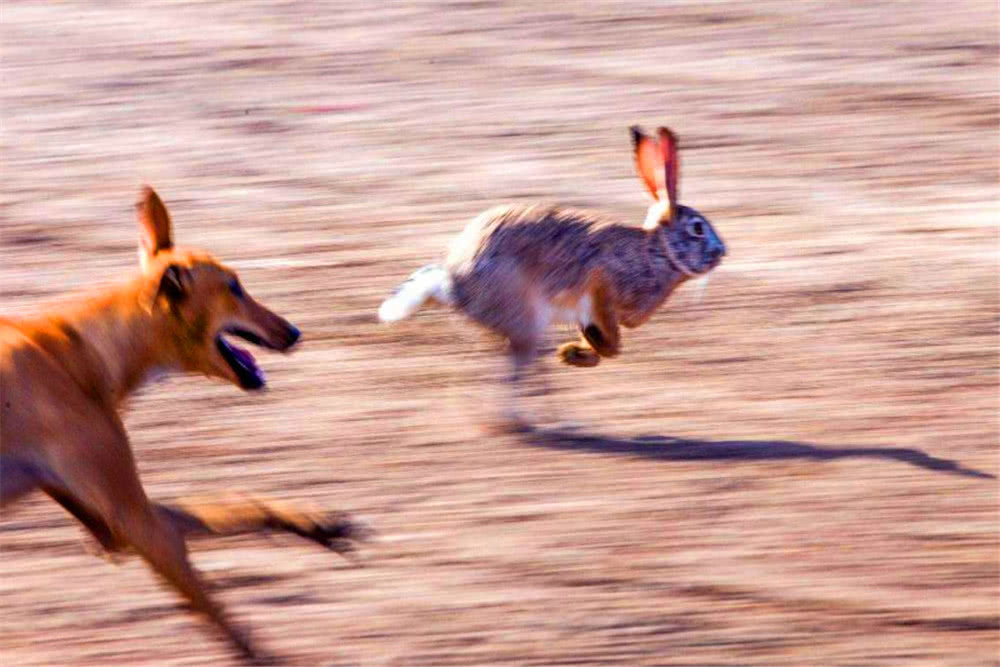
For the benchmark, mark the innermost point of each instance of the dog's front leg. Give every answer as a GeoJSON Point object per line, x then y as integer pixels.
{"type": "Point", "coordinates": [230, 516]}
{"type": "Point", "coordinates": [92, 474]}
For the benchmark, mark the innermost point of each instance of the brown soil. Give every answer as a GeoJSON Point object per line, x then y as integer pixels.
{"type": "Point", "coordinates": [790, 471]}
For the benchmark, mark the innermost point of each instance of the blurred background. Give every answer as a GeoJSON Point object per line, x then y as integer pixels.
{"type": "Point", "coordinates": [789, 471]}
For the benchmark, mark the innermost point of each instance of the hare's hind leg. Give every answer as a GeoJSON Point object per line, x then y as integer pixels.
{"type": "Point", "coordinates": [522, 353]}
{"type": "Point", "coordinates": [523, 331]}
{"type": "Point", "coordinates": [600, 335]}
{"type": "Point", "coordinates": [503, 300]}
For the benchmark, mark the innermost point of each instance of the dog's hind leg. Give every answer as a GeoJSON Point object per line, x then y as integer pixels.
{"type": "Point", "coordinates": [333, 530]}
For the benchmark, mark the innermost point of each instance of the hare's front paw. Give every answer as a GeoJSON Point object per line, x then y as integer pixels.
{"type": "Point", "coordinates": [576, 354]}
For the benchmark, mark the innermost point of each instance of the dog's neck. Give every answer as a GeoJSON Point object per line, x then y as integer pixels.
{"type": "Point", "coordinates": [115, 340]}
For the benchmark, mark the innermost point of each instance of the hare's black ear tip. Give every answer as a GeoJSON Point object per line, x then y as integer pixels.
{"type": "Point", "coordinates": [146, 193]}
{"type": "Point", "coordinates": [636, 133]}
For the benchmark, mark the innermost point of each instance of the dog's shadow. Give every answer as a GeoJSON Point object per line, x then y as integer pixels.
{"type": "Point", "coordinates": [665, 448]}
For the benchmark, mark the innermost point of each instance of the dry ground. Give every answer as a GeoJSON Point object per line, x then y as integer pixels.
{"type": "Point", "coordinates": [788, 472]}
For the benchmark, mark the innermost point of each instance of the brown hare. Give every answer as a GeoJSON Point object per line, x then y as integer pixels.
{"type": "Point", "coordinates": [515, 269]}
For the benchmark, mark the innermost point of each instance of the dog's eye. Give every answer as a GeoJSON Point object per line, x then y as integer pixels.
{"type": "Point", "coordinates": [236, 288]}
{"type": "Point", "coordinates": [697, 228]}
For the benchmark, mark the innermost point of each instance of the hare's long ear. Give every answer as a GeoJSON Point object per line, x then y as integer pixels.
{"type": "Point", "coordinates": [154, 226]}
{"type": "Point", "coordinates": [656, 162]}
{"type": "Point", "coordinates": [668, 144]}
{"type": "Point", "coordinates": [649, 158]}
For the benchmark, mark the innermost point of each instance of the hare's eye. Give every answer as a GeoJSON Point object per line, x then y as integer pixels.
{"type": "Point", "coordinates": [697, 228]}
{"type": "Point", "coordinates": [236, 288]}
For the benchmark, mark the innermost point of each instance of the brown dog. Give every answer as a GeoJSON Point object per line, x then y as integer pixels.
{"type": "Point", "coordinates": [64, 375]}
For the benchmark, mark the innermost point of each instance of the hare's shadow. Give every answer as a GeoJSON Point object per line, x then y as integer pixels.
{"type": "Point", "coordinates": [665, 448]}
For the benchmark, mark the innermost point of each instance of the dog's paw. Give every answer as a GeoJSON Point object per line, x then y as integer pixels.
{"type": "Point", "coordinates": [341, 533]}
{"type": "Point", "coordinates": [575, 354]}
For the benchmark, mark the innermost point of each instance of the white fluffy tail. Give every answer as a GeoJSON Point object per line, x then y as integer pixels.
{"type": "Point", "coordinates": [430, 282]}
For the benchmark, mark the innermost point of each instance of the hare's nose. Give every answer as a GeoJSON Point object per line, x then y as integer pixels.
{"type": "Point", "coordinates": [716, 250]}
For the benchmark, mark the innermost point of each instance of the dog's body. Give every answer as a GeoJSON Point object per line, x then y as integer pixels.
{"type": "Point", "coordinates": [65, 375]}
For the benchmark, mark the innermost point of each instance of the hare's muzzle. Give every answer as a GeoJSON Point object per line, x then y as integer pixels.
{"type": "Point", "coordinates": [716, 250]}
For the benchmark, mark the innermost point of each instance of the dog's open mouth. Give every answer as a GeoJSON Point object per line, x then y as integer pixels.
{"type": "Point", "coordinates": [242, 362]}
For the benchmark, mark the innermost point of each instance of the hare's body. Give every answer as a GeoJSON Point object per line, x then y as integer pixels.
{"type": "Point", "coordinates": [516, 269]}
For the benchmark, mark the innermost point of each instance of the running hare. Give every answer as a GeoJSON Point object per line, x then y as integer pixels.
{"type": "Point", "coordinates": [515, 269]}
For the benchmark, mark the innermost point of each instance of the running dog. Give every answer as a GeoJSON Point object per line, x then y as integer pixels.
{"type": "Point", "coordinates": [65, 374]}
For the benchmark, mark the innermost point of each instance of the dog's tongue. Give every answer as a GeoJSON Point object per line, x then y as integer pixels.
{"type": "Point", "coordinates": [245, 358]}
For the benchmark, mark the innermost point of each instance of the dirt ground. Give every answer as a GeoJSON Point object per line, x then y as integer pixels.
{"type": "Point", "coordinates": [796, 469]}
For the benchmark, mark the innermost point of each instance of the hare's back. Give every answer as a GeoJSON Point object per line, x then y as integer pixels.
{"type": "Point", "coordinates": [509, 256]}
{"type": "Point", "coordinates": [537, 239]}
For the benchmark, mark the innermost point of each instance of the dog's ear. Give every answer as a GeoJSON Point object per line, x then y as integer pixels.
{"type": "Point", "coordinates": [174, 282]}
{"type": "Point", "coordinates": [173, 285]}
{"type": "Point", "coordinates": [154, 226]}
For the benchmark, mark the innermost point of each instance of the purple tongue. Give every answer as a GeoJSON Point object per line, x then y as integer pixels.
{"type": "Point", "coordinates": [245, 358]}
